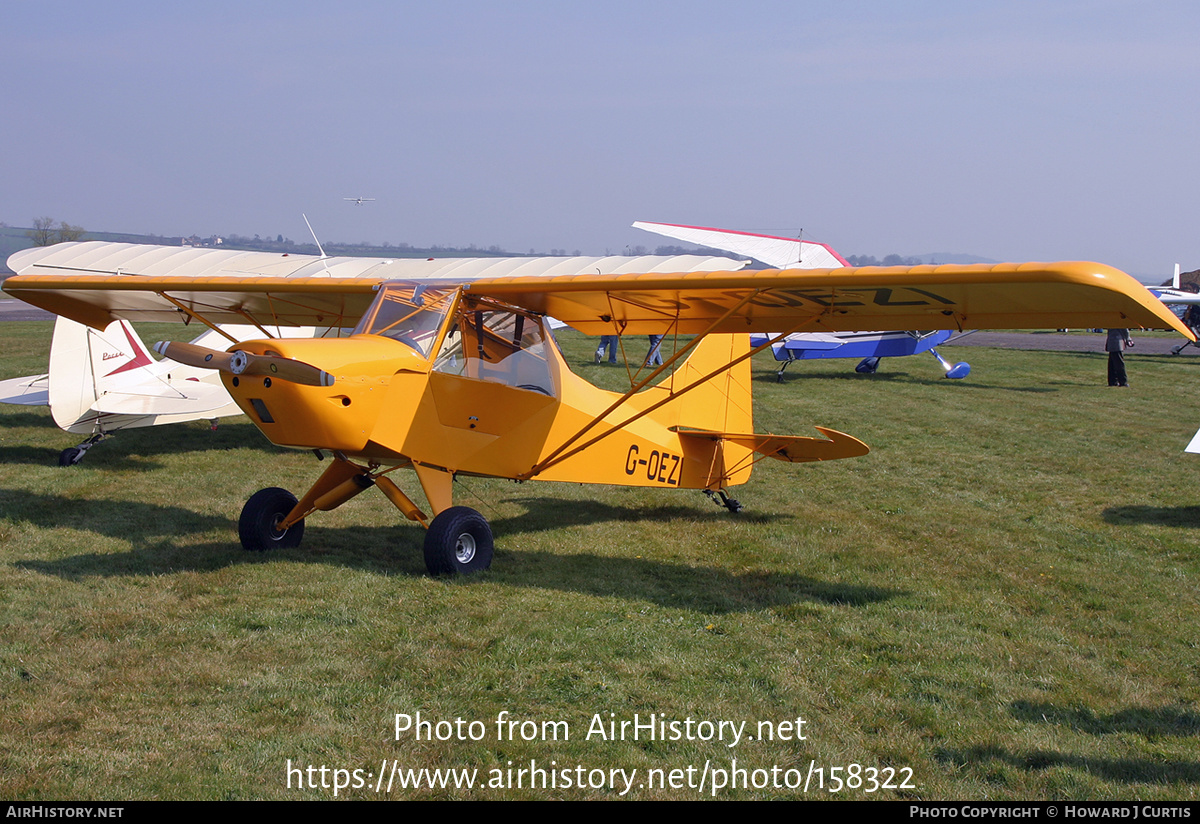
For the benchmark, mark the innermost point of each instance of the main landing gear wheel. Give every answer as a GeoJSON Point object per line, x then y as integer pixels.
{"type": "Point", "coordinates": [258, 527]}
{"type": "Point", "coordinates": [458, 541]}
{"type": "Point", "coordinates": [867, 366]}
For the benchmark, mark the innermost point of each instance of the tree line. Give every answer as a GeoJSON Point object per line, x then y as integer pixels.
{"type": "Point", "coordinates": [45, 233]}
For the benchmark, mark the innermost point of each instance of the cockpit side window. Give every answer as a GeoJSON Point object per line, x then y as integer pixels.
{"type": "Point", "coordinates": [495, 343]}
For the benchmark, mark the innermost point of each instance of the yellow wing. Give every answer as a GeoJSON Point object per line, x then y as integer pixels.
{"type": "Point", "coordinates": [1003, 296]}
{"type": "Point", "coordinates": [97, 300]}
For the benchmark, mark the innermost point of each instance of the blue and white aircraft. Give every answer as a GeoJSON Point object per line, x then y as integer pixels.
{"type": "Point", "coordinates": [870, 346]}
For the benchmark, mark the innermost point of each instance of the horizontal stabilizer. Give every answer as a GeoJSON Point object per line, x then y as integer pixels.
{"type": "Point", "coordinates": [791, 448]}
{"type": "Point", "coordinates": [192, 398]}
{"type": "Point", "coordinates": [31, 390]}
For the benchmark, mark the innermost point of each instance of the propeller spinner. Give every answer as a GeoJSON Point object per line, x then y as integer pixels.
{"type": "Point", "coordinates": [238, 362]}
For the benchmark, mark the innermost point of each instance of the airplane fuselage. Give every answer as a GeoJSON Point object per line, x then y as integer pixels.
{"type": "Point", "coordinates": [486, 391]}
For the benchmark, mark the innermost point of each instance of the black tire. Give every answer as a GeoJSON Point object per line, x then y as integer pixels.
{"type": "Point", "coordinates": [867, 366]}
{"type": "Point", "coordinates": [68, 457]}
{"type": "Point", "coordinates": [259, 522]}
{"type": "Point", "coordinates": [459, 541]}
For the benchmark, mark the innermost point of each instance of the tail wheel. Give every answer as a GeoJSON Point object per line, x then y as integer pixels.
{"type": "Point", "coordinates": [258, 526]}
{"type": "Point", "coordinates": [459, 541]}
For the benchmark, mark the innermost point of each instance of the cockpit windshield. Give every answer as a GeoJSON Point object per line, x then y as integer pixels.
{"type": "Point", "coordinates": [408, 312]}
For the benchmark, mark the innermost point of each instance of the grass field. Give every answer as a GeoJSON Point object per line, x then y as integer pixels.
{"type": "Point", "coordinates": [1001, 598]}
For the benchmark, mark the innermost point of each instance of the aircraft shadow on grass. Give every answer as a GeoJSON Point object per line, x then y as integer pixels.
{"type": "Point", "coordinates": [29, 419]}
{"type": "Point", "coordinates": [1148, 721]}
{"type": "Point", "coordinates": [1100, 360]}
{"type": "Point", "coordinates": [139, 523]}
{"type": "Point", "coordinates": [1118, 770]}
{"type": "Point", "coordinates": [48, 456]}
{"type": "Point", "coordinates": [133, 450]}
{"type": "Point", "coordinates": [897, 378]}
{"type": "Point", "coordinates": [151, 529]}
{"type": "Point", "coordinates": [1181, 516]}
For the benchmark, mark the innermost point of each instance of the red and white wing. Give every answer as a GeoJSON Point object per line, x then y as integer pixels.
{"type": "Point", "coordinates": [779, 252]}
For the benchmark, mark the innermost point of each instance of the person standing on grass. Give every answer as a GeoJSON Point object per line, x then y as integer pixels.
{"type": "Point", "coordinates": [1115, 345]}
{"type": "Point", "coordinates": [608, 342]}
{"type": "Point", "coordinates": [654, 357]}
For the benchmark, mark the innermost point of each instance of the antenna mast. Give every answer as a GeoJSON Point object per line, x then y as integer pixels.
{"type": "Point", "coordinates": [315, 240]}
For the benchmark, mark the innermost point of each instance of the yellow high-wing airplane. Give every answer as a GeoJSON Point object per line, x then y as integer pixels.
{"type": "Point", "coordinates": [451, 378]}
{"type": "Point", "coordinates": [100, 382]}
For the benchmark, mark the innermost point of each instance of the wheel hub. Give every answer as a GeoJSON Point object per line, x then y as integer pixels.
{"type": "Point", "coordinates": [464, 548]}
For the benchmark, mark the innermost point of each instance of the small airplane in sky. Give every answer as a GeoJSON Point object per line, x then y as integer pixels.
{"type": "Point", "coordinates": [100, 381]}
{"type": "Point", "coordinates": [452, 377]}
{"type": "Point", "coordinates": [794, 253]}
{"type": "Point", "coordinates": [358, 201]}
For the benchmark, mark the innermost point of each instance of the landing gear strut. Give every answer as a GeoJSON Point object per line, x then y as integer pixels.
{"type": "Point", "coordinates": [458, 540]}
{"type": "Point", "coordinates": [954, 372]}
{"type": "Point", "coordinates": [729, 503]}
{"type": "Point", "coordinates": [73, 455]}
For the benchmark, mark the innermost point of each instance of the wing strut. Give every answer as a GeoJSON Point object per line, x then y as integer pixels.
{"type": "Point", "coordinates": [559, 455]}
{"type": "Point", "coordinates": [554, 458]}
{"type": "Point", "coordinates": [192, 314]}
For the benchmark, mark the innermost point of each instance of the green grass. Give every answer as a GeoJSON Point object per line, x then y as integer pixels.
{"type": "Point", "coordinates": [1002, 597]}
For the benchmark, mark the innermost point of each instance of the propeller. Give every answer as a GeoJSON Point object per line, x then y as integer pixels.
{"type": "Point", "coordinates": [238, 362]}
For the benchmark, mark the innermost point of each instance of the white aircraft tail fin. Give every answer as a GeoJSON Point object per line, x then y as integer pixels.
{"type": "Point", "coordinates": [1175, 280]}
{"type": "Point", "coordinates": [86, 364]}
{"type": "Point", "coordinates": [109, 380]}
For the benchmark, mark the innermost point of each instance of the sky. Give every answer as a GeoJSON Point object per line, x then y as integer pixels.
{"type": "Point", "coordinates": [1010, 130]}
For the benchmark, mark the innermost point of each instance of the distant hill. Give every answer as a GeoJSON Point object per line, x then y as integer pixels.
{"type": "Point", "coordinates": [916, 260]}
{"type": "Point", "coordinates": [953, 257]}
{"type": "Point", "coordinates": [1188, 281]}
